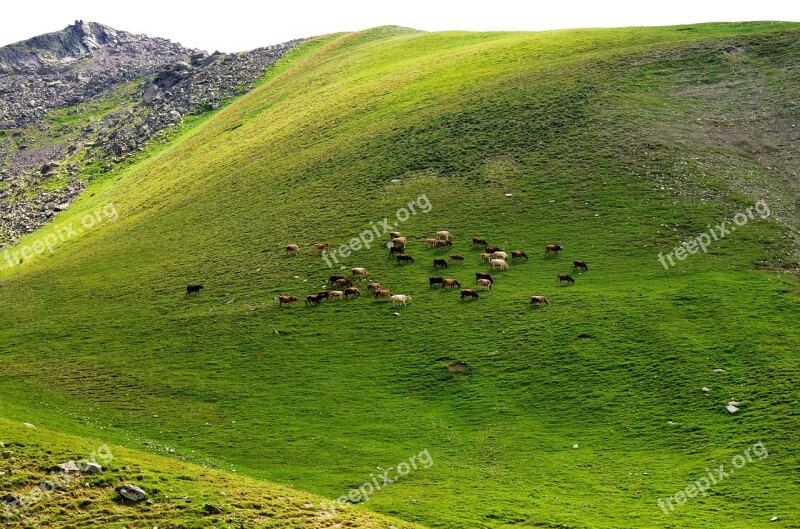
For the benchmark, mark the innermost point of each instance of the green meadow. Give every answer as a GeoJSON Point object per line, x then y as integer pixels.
{"type": "Point", "coordinates": [616, 144]}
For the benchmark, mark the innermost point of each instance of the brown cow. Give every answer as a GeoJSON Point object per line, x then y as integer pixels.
{"type": "Point", "coordinates": [483, 275]}
{"type": "Point", "coordinates": [430, 242]}
{"type": "Point", "coordinates": [373, 287]}
{"type": "Point", "coordinates": [286, 299]}
{"type": "Point", "coordinates": [360, 272]}
{"type": "Point", "coordinates": [468, 292]}
{"type": "Point", "coordinates": [580, 265]}
{"type": "Point", "coordinates": [400, 242]}
{"type": "Point", "coordinates": [450, 282]}
{"type": "Point", "coordinates": [383, 294]}
{"type": "Point", "coordinates": [480, 240]}
{"type": "Point", "coordinates": [343, 282]}
{"type": "Point", "coordinates": [518, 253]}
{"type": "Point", "coordinates": [292, 249]}
{"type": "Point", "coordinates": [486, 257]}
{"type": "Point", "coordinates": [552, 248]}
{"type": "Point", "coordinates": [492, 249]}
{"type": "Point", "coordinates": [352, 291]}
{"type": "Point", "coordinates": [567, 278]}
{"type": "Point", "coordinates": [538, 299]}
{"type": "Point", "coordinates": [443, 244]}
{"type": "Point", "coordinates": [456, 257]}
{"type": "Point", "coordinates": [394, 234]}
{"type": "Point", "coordinates": [321, 246]}
{"type": "Point", "coordinates": [485, 283]}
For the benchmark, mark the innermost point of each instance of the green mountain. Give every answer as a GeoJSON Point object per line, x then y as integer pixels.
{"type": "Point", "coordinates": [604, 408]}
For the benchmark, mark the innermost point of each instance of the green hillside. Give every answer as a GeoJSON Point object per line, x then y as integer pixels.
{"type": "Point", "coordinates": [616, 144]}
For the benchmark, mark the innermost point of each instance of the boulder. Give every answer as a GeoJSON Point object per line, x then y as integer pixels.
{"type": "Point", "coordinates": [131, 492]}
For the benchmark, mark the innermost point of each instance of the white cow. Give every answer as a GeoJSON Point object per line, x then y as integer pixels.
{"type": "Point", "coordinates": [500, 264]}
{"type": "Point", "coordinates": [445, 235]}
{"type": "Point", "coordinates": [400, 298]}
{"type": "Point", "coordinates": [500, 255]}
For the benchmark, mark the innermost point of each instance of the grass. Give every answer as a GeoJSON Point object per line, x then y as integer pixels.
{"type": "Point", "coordinates": [100, 341]}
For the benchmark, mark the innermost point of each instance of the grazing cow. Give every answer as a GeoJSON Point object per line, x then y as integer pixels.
{"type": "Point", "coordinates": [373, 287]}
{"type": "Point", "coordinates": [400, 298]}
{"type": "Point", "coordinates": [286, 299]}
{"type": "Point", "coordinates": [396, 250]}
{"type": "Point", "coordinates": [468, 292]}
{"type": "Point", "coordinates": [444, 235]}
{"type": "Point", "coordinates": [394, 234]}
{"type": "Point", "coordinates": [399, 242]}
{"type": "Point", "coordinates": [360, 272]}
{"type": "Point", "coordinates": [480, 241]}
{"type": "Point", "coordinates": [486, 257]}
{"type": "Point", "coordinates": [538, 299]}
{"type": "Point", "coordinates": [456, 257]}
{"type": "Point", "coordinates": [343, 282]}
{"type": "Point", "coordinates": [292, 249]}
{"type": "Point", "coordinates": [321, 246]}
{"type": "Point", "coordinates": [435, 281]}
{"type": "Point", "coordinates": [485, 283]}
{"type": "Point", "coordinates": [430, 242]}
{"type": "Point", "coordinates": [313, 299]}
{"type": "Point", "coordinates": [450, 282]}
{"type": "Point", "coordinates": [552, 248]}
{"type": "Point", "coordinates": [580, 265]}
{"type": "Point", "coordinates": [334, 279]}
{"type": "Point", "coordinates": [443, 244]}
{"type": "Point", "coordinates": [193, 289]}
{"type": "Point", "coordinates": [324, 294]}
{"type": "Point", "coordinates": [518, 254]}
{"type": "Point", "coordinates": [405, 258]}
{"type": "Point", "coordinates": [492, 249]}
{"type": "Point", "coordinates": [567, 278]}
{"type": "Point", "coordinates": [483, 275]}
{"type": "Point", "coordinates": [500, 255]}
{"type": "Point", "coordinates": [336, 294]}
{"type": "Point", "coordinates": [352, 291]}
{"type": "Point", "coordinates": [439, 262]}
{"type": "Point", "coordinates": [383, 294]}
{"type": "Point", "coordinates": [499, 264]}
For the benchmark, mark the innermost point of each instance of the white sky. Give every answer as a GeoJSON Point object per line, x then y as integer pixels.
{"type": "Point", "coordinates": [235, 25]}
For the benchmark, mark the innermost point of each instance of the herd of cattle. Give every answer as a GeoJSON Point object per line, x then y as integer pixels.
{"type": "Point", "coordinates": [497, 258]}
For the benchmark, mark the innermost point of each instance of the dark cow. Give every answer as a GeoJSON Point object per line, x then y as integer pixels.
{"type": "Point", "coordinates": [443, 244]}
{"type": "Point", "coordinates": [580, 265]}
{"type": "Point", "coordinates": [405, 258]}
{"type": "Point", "coordinates": [396, 250]}
{"type": "Point", "coordinates": [313, 299]}
{"type": "Point", "coordinates": [518, 253]}
{"type": "Point", "coordinates": [352, 291]}
{"type": "Point", "coordinates": [552, 248]}
{"type": "Point", "coordinates": [193, 289]}
{"type": "Point", "coordinates": [456, 257]}
{"type": "Point", "coordinates": [334, 279]}
{"type": "Point", "coordinates": [439, 263]}
{"type": "Point", "coordinates": [480, 240]}
{"type": "Point", "coordinates": [567, 278]}
{"type": "Point", "coordinates": [468, 292]}
{"type": "Point", "coordinates": [324, 294]}
{"type": "Point", "coordinates": [395, 234]}
{"type": "Point", "coordinates": [483, 275]}
{"type": "Point", "coordinates": [343, 282]}
{"type": "Point", "coordinates": [435, 281]}
{"type": "Point", "coordinates": [492, 249]}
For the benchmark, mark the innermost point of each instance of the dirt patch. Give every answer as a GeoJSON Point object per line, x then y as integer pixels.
{"type": "Point", "coordinates": [457, 366]}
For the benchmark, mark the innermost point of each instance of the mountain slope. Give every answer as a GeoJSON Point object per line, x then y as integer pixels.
{"type": "Point", "coordinates": [526, 139]}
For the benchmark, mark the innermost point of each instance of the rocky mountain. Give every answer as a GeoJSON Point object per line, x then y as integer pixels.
{"type": "Point", "coordinates": [77, 102]}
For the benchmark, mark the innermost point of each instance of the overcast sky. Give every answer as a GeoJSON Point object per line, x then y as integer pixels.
{"type": "Point", "coordinates": [233, 25]}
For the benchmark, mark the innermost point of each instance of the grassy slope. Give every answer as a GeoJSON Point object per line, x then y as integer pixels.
{"type": "Point", "coordinates": [98, 338]}
{"type": "Point", "coordinates": [178, 492]}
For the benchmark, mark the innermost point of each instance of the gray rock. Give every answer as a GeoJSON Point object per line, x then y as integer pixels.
{"type": "Point", "coordinates": [131, 492]}
{"type": "Point", "coordinates": [70, 467]}
{"type": "Point", "coordinates": [7, 454]}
